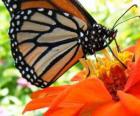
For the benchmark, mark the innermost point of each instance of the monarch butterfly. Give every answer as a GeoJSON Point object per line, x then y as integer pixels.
{"type": "Point", "coordinates": [49, 36]}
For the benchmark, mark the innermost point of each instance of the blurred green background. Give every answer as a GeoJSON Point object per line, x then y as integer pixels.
{"type": "Point", "coordinates": [15, 91]}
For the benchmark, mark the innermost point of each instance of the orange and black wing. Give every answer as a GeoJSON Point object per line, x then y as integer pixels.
{"type": "Point", "coordinates": [73, 7]}
{"type": "Point", "coordinates": [44, 38]}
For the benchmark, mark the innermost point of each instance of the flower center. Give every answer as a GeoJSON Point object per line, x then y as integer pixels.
{"type": "Point", "coordinates": [114, 80]}
{"type": "Point", "coordinates": [110, 71]}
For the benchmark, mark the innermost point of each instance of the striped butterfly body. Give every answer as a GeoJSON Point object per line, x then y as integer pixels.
{"type": "Point", "coordinates": [50, 36]}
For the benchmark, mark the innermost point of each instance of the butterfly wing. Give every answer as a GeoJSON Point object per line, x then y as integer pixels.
{"type": "Point", "coordinates": [73, 7]}
{"type": "Point", "coordinates": [45, 43]}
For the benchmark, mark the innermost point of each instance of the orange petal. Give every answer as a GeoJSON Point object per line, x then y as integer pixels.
{"type": "Point", "coordinates": [43, 98]}
{"type": "Point", "coordinates": [135, 90]}
{"type": "Point", "coordinates": [90, 91]}
{"type": "Point", "coordinates": [137, 50]}
{"type": "Point", "coordinates": [134, 76]}
{"type": "Point", "coordinates": [130, 102]}
{"type": "Point", "coordinates": [79, 76]}
{"type": "Point", "coordinates": [130, 49]}
{"type": "Point", "coordinates": [48, 91]}
{"type": "Point", "coordinates": [112, 109]}
{"type": "Point", "coordinates": [41, 102]}
{"type": "Point", "coordinates": [67, 110]}
{"type": "Point", "coordinates": [38, 103]}
{"type": "Point", "coordinates": [58, 99]}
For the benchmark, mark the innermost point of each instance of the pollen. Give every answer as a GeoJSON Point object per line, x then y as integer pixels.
{"type": "Point", "coordinates": [109, 70]}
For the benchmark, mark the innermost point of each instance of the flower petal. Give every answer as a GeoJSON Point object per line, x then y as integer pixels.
{"type": "Point", "coordinates": [112, 109]}
{"type": "Point", "coordinates": [66, 110]}
{"type": "Point", "coordinates": [134, 76]}
{"type": "Point", "coordinates": [135, 90]}
{"type": "Point", "coordinates": [37, 104]}
{"type": "Point", "coordinates": [43, 98]}
{"type": "Point", "coordinates": [130, 49]}
{"type": "Point", "coordinates": [130, 102]}
{"type": "Point", "coordinates": [90, 91]}
{"type": "Point", "coordinates": [48, 91]}
{"type": "Point", "coordinates": [79, 76]}
{"type": "Point", "coordinates": [137, 50]}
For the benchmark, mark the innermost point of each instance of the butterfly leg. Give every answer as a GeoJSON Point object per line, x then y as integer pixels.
{"type": "Point", "coordinates": [84, 62]}
{"type": "Point", "coordinates": [95, 57]}
{"type": "Point", "coordinates": [117, 57]}
{"type": "Point", "coordinates": [88, 70]}
{"type": "Point", "coordinates": [117, 45]}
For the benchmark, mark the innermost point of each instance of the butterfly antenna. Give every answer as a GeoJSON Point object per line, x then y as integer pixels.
{"type": "Point", "coordinates": [127, 20]}
{"type": "Point", "coordinates": [118, 48]}
{"type": "Point", "coordinates": [135, 5]}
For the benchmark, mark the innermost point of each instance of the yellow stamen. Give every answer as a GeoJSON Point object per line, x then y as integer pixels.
{"type": "Point", "coordinates": [104, 64]}
{"type": "Point", "coordinates": [107, 55]}
{"type": "Point", "coordinates": [109, 70]}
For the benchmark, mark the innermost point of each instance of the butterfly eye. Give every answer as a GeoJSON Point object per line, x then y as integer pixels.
{"type": "Point", "coordinates": [113, 34]}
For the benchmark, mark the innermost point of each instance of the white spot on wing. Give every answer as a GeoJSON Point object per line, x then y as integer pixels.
{"type": "Point", "coordinates": [41, 9]}
{"type": "Point", "coordinates": [50, 12]}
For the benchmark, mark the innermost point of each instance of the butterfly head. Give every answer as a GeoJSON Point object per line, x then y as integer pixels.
{"type": "Point", "coordinates": [112, 34]}
{"type": "Point", "coordinates": [97, 38]}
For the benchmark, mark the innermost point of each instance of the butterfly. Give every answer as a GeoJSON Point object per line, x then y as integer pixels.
{"type": "Point", "coordinates": [50, 36]}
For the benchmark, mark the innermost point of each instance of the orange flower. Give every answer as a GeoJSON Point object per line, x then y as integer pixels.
{"type": "Point", "coordinates": [109, 90]}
